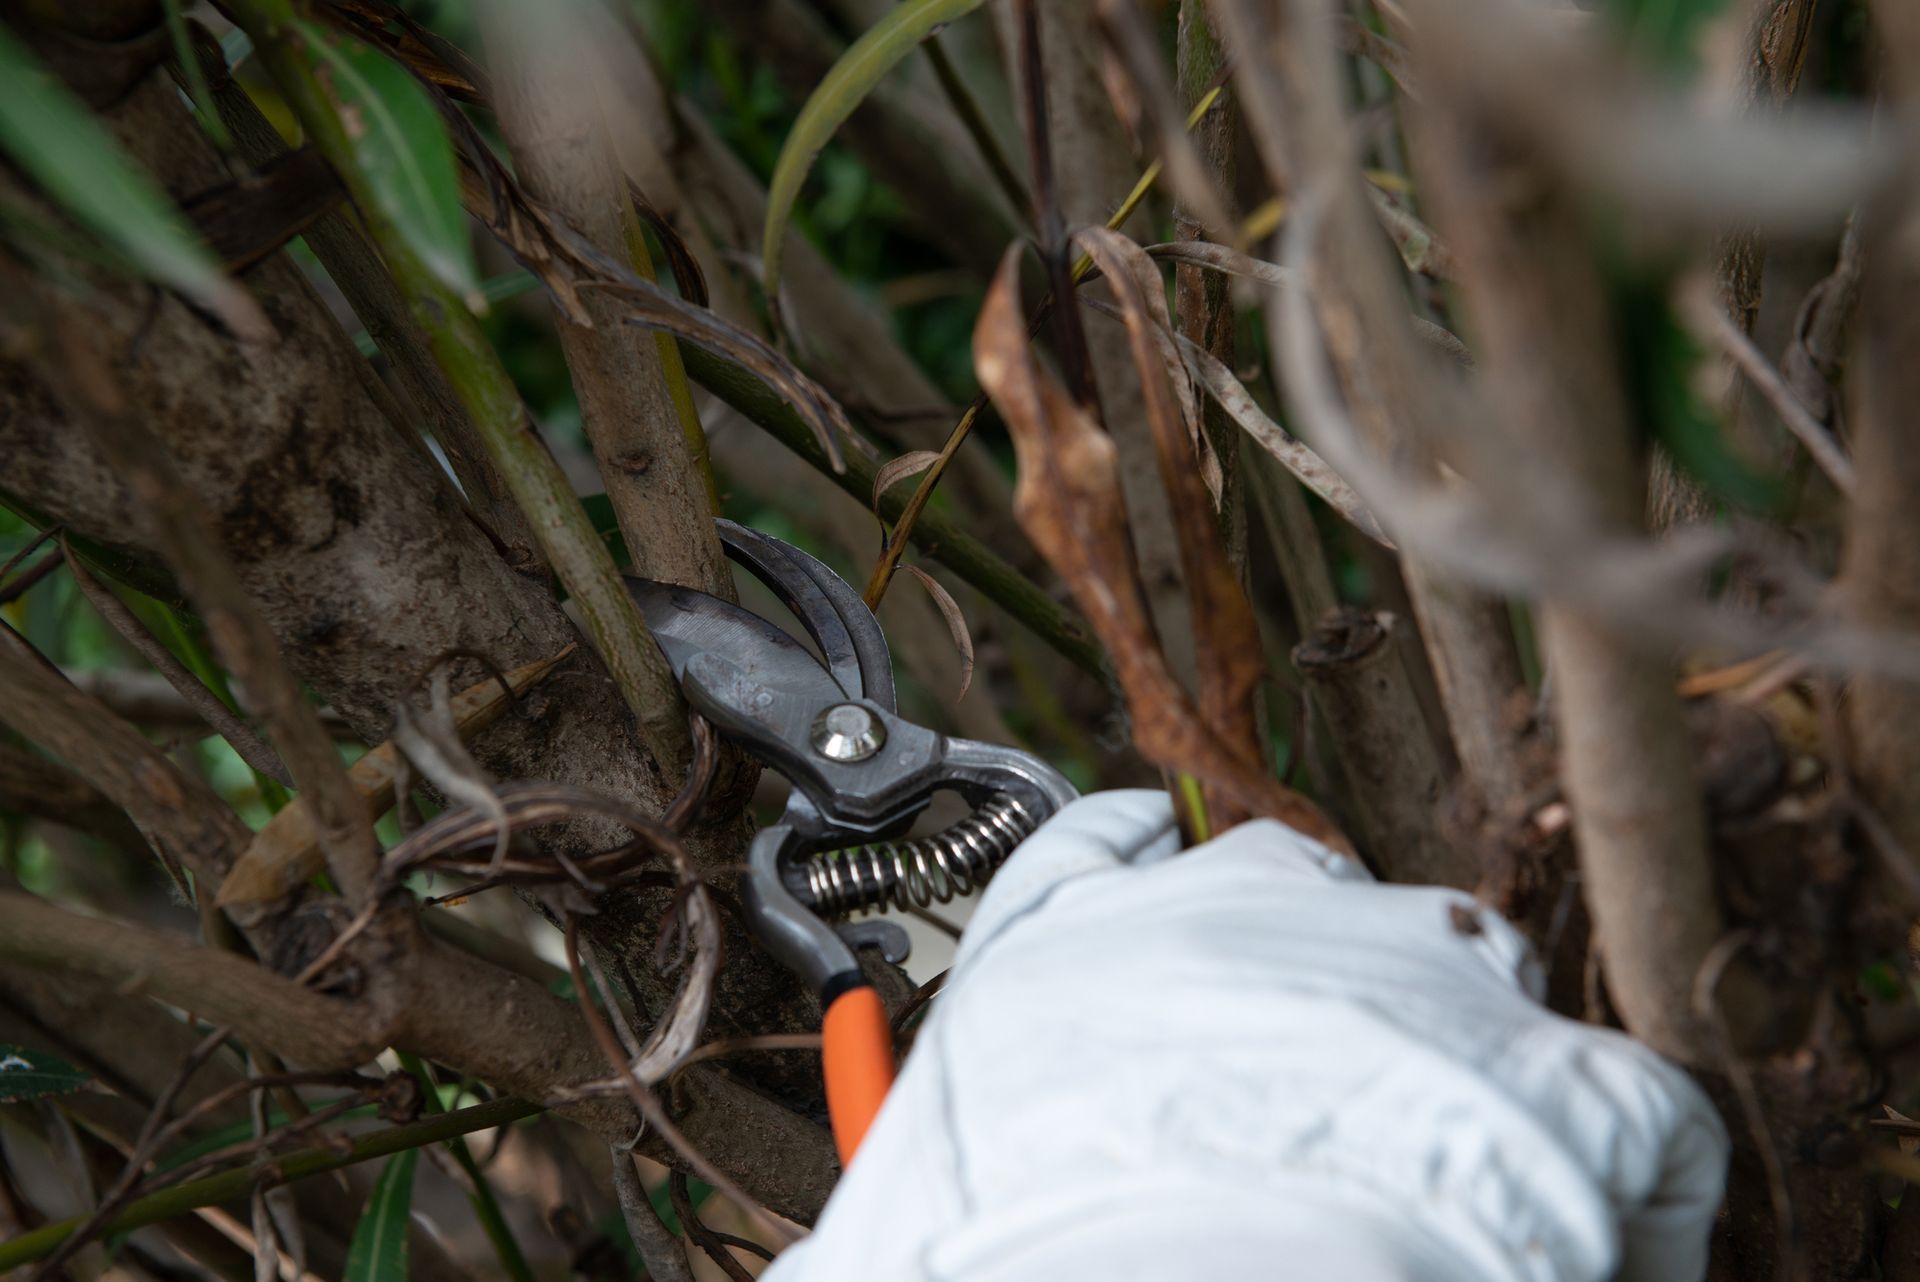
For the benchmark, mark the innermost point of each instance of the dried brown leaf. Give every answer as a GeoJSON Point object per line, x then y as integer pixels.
{"type": "Point", "coordinates": [1311, 470]}
{"type": "Point", "coordinates": [956, 625]}
{"type": "Point", "coordinates": [1227, 646]}
{"type": "Point", "coordinates": [893, 471]}
{"type": "Point", "coordinates": [1069, 502]}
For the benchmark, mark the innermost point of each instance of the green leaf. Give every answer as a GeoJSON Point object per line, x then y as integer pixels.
{"type": "Point", "coordinates": [378, 1252]}
{"type": "Point", "coordinates": [402, 146]}
{"type": "Point", "coordinates": [26, 1074]}
{"type": "Point", "coordinates": [50, 134]}
{"type": "Point", "coordinates": [839, 92]}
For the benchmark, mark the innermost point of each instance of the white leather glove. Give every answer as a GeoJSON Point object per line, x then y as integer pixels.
{"type": "Point", "coordinates": [1253, 1061]}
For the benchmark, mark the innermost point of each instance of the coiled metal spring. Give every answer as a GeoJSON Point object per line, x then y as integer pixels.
{"type": "Point", "coordinates": [921, 871]}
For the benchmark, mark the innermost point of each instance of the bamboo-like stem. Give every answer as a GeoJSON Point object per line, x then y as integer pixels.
{"type": "Point", "coordinates": [1294, 108]}
{"type": "Point", "coordinates": [473, 368]}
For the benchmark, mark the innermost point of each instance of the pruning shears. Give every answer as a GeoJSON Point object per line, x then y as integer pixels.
{"type": "Point", "coordinates": [860, 776]}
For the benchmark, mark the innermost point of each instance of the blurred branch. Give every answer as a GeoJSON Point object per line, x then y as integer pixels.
{"type": "Point", "coordinates": [178, 812]}
{"type": "Point", "coordinates": [1395, 392]}
{"type": "Point", "coordinates": [1543, 320]}
{"type": "Point", "coordinates": [1879, 580]}
{"type": "Point", "coordinates": [40, 789]}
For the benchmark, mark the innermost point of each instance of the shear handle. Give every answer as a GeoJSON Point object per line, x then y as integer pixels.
{"type": "Point", "coordinates": [856, 1052]}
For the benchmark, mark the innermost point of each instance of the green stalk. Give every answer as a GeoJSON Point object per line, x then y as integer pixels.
{"type": "Point", "coordinates": [935, 533]}
{"type": "Point", "coordinates": [230, 1186]}
{"type": "Point", "coordinates": [478, 379]}
{"type": "Point", "coordinates": [486, 1207]}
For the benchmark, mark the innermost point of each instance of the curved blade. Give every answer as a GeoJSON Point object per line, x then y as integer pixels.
{"type": "Point", "coordinates": [688, 624]}
{"type": "Point", "coordinates": [830, 610]}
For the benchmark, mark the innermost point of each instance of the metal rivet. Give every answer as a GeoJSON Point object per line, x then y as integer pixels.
{"type": "Point", "coordinates": [848, 732]}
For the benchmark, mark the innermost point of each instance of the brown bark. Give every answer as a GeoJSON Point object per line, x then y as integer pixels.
{"type": "Point", "coordinates": [355, 267]}
{"type": "Point", "coordinates": [1543, 323]}
{"type": "Point", "coordinates": [551, 98]}
{"type": "Point", "coordinates": [1354, 672]}
{"type": "Point", "coordinates": [351, 543]}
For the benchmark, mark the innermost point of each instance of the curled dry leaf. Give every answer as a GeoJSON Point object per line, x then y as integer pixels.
{"type": "Point", "coordinates": [1069, 502]}
{"type": "Point", "coordinates": [287, 850]}
{"type": "Point", "coordinates": [1311, 470]}
{"type": "Point", "coordinates": [894, 471]}
{"type": "Point", "coordinates": [1227, 648]}
{"type": "Point", "coordinates": [956, 625]}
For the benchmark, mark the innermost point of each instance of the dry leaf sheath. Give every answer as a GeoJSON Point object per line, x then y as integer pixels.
{"type": "Point", "coordinates": [1068, 500]}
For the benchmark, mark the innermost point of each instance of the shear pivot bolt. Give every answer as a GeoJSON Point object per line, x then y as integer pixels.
{"type": "Point", "coordinates": [847, 732]}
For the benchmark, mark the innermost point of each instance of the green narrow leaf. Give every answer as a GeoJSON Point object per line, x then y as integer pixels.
{"type": "Point", "coordinates": [378, 1252]}
{"type": "Point", "coordinates": [839, 92]}
{"type": "Point", "coordinates": [402, 146]}
{"type": "Point", "coordinates": [197, 90]}
{"type": "Point", "coordinates": [26, 1074]}
{"type": "Point", "coordinates": [52, 136]}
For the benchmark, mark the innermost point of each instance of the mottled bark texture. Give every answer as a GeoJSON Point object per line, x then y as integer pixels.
{"type": "Point", "coordinates": [355, 548]}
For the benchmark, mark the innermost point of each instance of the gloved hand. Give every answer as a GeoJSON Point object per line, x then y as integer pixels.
{"type": "Point", "coordinates": [1253, 1061]}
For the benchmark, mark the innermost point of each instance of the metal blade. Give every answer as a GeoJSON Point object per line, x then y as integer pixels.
{"type": "Point", "coordinates": [687, 624]}
{"type": "Point", "coordinates": [828, 608]}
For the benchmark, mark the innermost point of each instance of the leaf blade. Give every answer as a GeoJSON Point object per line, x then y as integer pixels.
{"type": "Point", "coordinates": [29, 1074]}
{"type": "Point", "coordinates": [52, 136]}
{"type": "Point", "coordinates": [956, 624]}
{"type": "Point", "coordinates": [378, 1252]}
{"type": "Point", "coordinates": [866, 61]}
{"type": "Point", "coordinates": [404, 149]}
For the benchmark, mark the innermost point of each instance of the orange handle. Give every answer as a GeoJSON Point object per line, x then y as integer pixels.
{"type": "Point", "coordinates": [856, 1050]}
